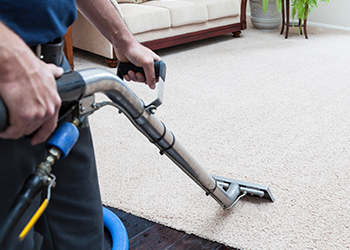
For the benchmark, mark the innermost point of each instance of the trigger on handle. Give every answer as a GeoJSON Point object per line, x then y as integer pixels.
{"type": "Point", "coordinates": [157, 102]}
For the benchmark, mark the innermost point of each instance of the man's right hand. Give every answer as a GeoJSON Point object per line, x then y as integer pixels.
{"type": "Point", "coordinates": [28, 89]}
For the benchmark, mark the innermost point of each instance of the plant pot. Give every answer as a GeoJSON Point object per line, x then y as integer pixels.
{"type": "Point", "coordinates": [270, 20]}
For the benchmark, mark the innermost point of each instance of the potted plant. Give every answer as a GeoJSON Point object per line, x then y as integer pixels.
{"type": "Point", "coordinates": [300, 8]}
{"type": "Point", "coordinates": [265, 14]}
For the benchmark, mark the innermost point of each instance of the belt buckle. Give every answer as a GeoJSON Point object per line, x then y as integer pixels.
{"type": "Point", "coordinates": [51, 52]}
{"type": "Point", "coordinates": [38, 51]}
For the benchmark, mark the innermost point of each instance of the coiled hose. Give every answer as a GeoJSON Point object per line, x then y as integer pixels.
{"type": "Point", "coordinates": [120, 239]}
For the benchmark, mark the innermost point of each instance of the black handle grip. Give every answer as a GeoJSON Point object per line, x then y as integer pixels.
{"type": "Point", "coordinates": [70, 87]}
{"type": "Point", "coordinates": [123, 69]}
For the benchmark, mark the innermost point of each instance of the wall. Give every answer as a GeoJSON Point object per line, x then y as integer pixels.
{"type": "Point", "coordinates": [334, 14]}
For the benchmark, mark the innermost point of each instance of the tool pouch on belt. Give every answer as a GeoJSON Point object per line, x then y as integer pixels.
{"type": "Point", "coordinates": [51, 52]}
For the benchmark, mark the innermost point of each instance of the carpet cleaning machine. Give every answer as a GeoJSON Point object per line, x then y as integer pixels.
{"type": "Point", "coordinates": [78, 88]}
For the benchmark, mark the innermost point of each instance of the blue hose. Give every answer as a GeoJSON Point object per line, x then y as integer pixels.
{"type": "Point", "coordinates": [120, 239]}
{"type": "Point", "coordinates": [64, 138]}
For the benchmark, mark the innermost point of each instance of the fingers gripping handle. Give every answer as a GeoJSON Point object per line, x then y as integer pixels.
{"type": "Point", "coordinates": [123, 69]}
{"type": "Point", "coordinates": [159, 69]}
{"type": "Point", "coordinates": [70, 87]}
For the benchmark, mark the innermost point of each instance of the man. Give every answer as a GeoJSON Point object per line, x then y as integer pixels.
{"type": "Point", "coordinates": [73, 219]}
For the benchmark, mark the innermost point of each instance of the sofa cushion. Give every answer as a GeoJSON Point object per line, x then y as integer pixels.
{"type": "Point", "coordinates": [131, 1]}
{"type": "Point", "coordinates": [182, 12]}
{"type": "Point", "coordinates": [220, 8]}
{"type": "Point", "coordinates": [125, 1]}
{"type": "Point", "coordinates": [117, 7]}
{"type": "Point", "coordinates": [142, 18]}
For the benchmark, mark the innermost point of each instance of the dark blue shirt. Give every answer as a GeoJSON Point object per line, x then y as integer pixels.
{"type": "Point", "coordinates": [38, 21]}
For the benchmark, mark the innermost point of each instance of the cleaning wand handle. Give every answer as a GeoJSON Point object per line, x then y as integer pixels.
{"type": "Point", "coordinates": [159, 70]}
{"type": "Point", "coordinates": [123, 69]}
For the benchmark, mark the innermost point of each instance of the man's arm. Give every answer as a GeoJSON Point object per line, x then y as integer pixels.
{"type": "Point", "coordinates": [103, 15]}
{"type": "Point", "coordinates": [28, 89]}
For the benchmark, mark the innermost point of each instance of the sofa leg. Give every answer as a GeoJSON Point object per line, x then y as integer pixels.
{"type": "Point", "coordinates": [112, 63]}
{"type": "Point", "coordinates": [236, 34]}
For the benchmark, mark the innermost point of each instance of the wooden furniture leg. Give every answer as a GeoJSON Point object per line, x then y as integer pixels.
{"type": "Point", "coordinates": [68, 47]}
{"type": "Point", "coordinates": [287, 21]}
{"type": "Point", "coordinates": [305, 32]}
{"type": "Point", "coordinates": [112, 63]}
{"type": "Point", "coordinates": [283, 18]}
{"type": "Point", "coordinates": [305, 21]}
{"type": "Point", "coordinates": [243, 14]}
{"type": "Point", "coordinates": [236, 34]}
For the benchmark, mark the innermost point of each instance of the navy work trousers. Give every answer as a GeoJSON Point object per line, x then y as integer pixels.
{"type": "Point", "coordinates": [73, 219]}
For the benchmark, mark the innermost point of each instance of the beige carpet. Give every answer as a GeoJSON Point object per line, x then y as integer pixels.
{"type": "Point", "coordinates": [257, 108]}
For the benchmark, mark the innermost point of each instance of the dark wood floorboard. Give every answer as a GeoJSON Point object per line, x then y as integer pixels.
{"type": "Point", "coordinates": [147, 235]}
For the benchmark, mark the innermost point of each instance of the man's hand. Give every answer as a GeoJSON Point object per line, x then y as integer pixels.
{"type": "Point", "coordinates": [143, 57]}
{"type": "Point", "coordinates": [28, 89]}
{"type": "Point", "coordinates": [107, 20]}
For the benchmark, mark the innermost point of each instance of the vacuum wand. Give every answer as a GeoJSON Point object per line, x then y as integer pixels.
{"type": "Point", "coordinates": [224, 190]}
{"type": "Point", "coordinates": [87, 82]}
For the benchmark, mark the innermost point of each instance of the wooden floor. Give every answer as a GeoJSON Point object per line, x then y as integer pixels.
{"type": "Point", "coordinates": [144, 235]}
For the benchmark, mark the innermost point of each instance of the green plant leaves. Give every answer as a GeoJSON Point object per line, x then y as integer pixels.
{"type": "Point", "coordinates": [300, 8]}
{"type": "Point", "coordinates": [304, 7]}
{"type": "Point", "coordinates": [265, 4]}
{"type": "Point", "coordinates": [278, 3]}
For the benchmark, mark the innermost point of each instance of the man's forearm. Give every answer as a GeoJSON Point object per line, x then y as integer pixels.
{"type": "Point", "coordinates": [103, 15]}
{"type": "Point", "coordinates": [11, 47]}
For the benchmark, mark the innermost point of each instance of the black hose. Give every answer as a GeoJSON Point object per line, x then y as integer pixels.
{"type": "Point", "coordinates": [31, 188]}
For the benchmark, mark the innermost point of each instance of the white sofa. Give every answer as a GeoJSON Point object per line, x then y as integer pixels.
{"type": "Point", "coordinates": [163, 23]}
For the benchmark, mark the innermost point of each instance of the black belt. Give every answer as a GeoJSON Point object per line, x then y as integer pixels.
{"type": "Point", "coordinates": [51, 52]}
